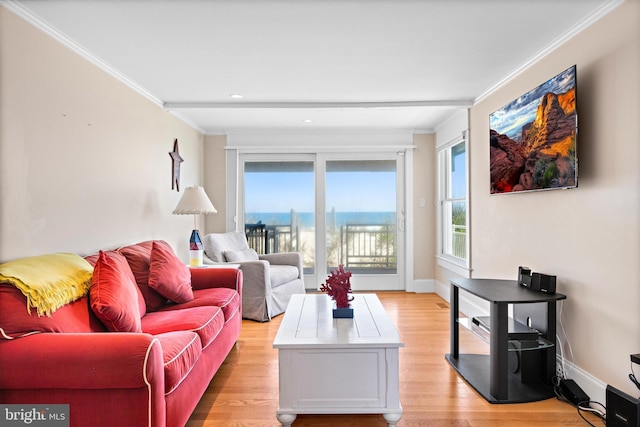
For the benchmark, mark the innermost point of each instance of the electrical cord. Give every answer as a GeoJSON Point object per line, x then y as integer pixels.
{"type": "Point", "coordinates": [585, 406]}
{"type": "Point", "coordinates": [581, 406]}
{"type": "Point", "coordinates": [564, 333]}
{"type": "Point", "coordinates": [564, 371]}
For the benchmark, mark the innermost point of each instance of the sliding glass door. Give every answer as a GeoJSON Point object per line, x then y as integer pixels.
{"type": "Point", "coordinates": [336, 209]}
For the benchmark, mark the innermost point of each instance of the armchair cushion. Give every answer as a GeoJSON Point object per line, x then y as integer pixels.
{"type": "Point", "coordinates": [216, 243]}
{"type": "Point", "coordinates": [168, 275]}
{"type": "Point", "coordinates": [240, 256]}
{"type": "Point", "coordinates": [281, 274]}
{"type": "Point", "coordinates": [114, 294]}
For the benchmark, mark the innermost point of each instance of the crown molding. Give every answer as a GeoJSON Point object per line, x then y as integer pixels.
{"type": "Point", "coordinates": [568, 35]}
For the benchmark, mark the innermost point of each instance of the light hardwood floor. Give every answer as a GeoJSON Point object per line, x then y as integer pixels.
{"type": "Point", "coordinates": [244, 392]}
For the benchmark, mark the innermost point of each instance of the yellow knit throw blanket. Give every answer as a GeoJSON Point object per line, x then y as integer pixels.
{"type": "Point", "coordinates": [49, 281]}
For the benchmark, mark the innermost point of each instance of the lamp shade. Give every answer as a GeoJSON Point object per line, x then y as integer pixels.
{"type": "Point", "coordinates": [194, 201]}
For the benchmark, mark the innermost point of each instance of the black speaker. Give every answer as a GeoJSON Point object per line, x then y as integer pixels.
{"type": "Point", "coordinates": [622, 410]}
{"type": "Point", "coordinates": [523, 364]}
{"type": "Point", "coordinates": [543, 283]}
{"type": "Point", "coordinates": [524, 276]}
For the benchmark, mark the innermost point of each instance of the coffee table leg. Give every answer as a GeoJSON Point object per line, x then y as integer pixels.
{"type": "Point", "coordinates": [392, 418]}
{"type": "Point", "coordinates": [287, 419]}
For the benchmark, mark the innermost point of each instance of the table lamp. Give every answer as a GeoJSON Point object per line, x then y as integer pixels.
{"type": "Point", "coordinates": [194, 201]}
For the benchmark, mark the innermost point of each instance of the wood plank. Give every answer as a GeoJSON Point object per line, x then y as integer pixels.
{"type": "Point", "coordinates": [244, 392]}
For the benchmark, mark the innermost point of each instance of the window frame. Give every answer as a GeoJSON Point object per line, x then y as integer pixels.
{"type": "Point", "coordinates": [443, 155]}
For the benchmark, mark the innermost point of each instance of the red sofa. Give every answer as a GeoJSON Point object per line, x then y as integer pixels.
{"type": "Point", "coordinates": [153, 376]}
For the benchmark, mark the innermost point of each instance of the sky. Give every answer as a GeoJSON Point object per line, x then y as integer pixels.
{"type": "Point", "coordinates": [346, 191]}
{"type": "Point", "coordinates": [510, 119]}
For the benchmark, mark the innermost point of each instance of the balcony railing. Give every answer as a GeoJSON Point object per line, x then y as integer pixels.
{"type": "Point", "coordinates": [459, 243]}
{"type": "Point", "coordinates": [268, 239]}
{"type": "Point", "coordinates": [368, 246]}
{"type": "Point", "coordinates": [364, 248]}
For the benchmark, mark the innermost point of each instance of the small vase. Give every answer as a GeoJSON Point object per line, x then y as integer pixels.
{"type": "Point", "coordinates": [343, 313]}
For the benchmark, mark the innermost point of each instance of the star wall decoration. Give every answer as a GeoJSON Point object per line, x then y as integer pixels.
{"type": "Point", "coordinates": [175, 167]}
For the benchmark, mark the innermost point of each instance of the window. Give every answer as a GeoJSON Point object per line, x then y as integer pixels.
{"type": "Point", "coordinates": [453, 225]}
{"type": "Point", "coordinates": [279, 208]}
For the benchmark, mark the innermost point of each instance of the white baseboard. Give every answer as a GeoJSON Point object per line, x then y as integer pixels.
{"type": "Point", "coordinates": [424, 286]}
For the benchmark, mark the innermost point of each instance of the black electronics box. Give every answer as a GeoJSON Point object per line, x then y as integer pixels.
{"type": "Point", "coordinates": [572, 392]}
{"type": "Point", "coordinates": [543, 283]}
{"type": "Point", "coordinates": [623, 410]}
{"type": "Point", "coordinates": [524, 276]}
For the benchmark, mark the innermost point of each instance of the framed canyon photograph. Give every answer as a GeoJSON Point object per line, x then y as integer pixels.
{"type": "Point", "coordinates": [533, 139]}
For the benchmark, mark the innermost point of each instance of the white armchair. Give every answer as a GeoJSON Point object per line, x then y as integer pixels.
{"type": "Point", "coordinates": [268, 280]}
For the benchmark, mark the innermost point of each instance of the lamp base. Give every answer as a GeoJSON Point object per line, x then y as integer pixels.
{"type": "Point", "coordinates": [195, 258]}
{"type": "Point", "coordinates": [195, 250]}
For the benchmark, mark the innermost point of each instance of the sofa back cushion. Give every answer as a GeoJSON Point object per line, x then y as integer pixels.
{"type": "Point", "coordinates": [16, 320]}
{"type": "Point", "coordinates": [114, 295]}
{"type": "Point", "coordinates": [139, 257]}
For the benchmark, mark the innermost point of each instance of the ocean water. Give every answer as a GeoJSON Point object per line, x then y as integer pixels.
{"type": "Point", "coordinates": [305, 219]}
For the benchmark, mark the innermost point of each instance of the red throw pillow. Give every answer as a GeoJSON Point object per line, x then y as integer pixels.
{"type": "Point", "coordinates": [168, 275]}
{"type": "Point", "coordinates": [114, 294]}
{"type": "Point", "coordinates": [138, 257]}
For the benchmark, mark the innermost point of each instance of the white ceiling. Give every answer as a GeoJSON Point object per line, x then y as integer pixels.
{"type": "Point", "coordinates": [344, 64]}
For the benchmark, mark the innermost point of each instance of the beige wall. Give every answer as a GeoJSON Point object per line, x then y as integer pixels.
{"type": "Point", "coordinates": [215, 181]}
{"type": "Point", "coordinates": [424, 187]}
{"type": "Point", "coordinates": [589, 236]}
{"type": "Point", "coordinates": [84, 161]}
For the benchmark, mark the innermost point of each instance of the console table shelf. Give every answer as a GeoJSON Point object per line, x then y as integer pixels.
{"type": "Point", "coordinates": [484, 335]}
{"type": "Point", "coordinates": [489, 374]}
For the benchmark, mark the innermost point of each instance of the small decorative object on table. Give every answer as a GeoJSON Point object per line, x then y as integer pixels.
{"type": "Point", "coordinates": [338, 287]}
{"type": "Point", "coordinates": [195, 249]}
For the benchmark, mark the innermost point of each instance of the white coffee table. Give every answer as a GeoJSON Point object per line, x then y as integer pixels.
{"type": "Point", "coordinates": [337, 366]}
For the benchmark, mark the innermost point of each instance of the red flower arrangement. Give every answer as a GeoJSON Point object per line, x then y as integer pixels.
{"type": "Point", "coordinates": [338, 287]}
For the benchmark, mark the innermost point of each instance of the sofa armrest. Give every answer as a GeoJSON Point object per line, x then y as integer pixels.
{"type": "Point", "coordinates": [216, 277]}
{"type": "Point", "coordinates": [82, 361]}
{"type": "Point", "coordinates": [286, 258]}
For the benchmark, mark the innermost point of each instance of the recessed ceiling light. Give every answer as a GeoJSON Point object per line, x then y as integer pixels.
{"type": "Point", "coordinates": [308, 121]}
{"type": "Point", "coordinates": [236, 96]}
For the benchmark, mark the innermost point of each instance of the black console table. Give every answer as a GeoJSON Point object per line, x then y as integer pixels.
{"type": "Point", "coordinates": [489, 374]}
